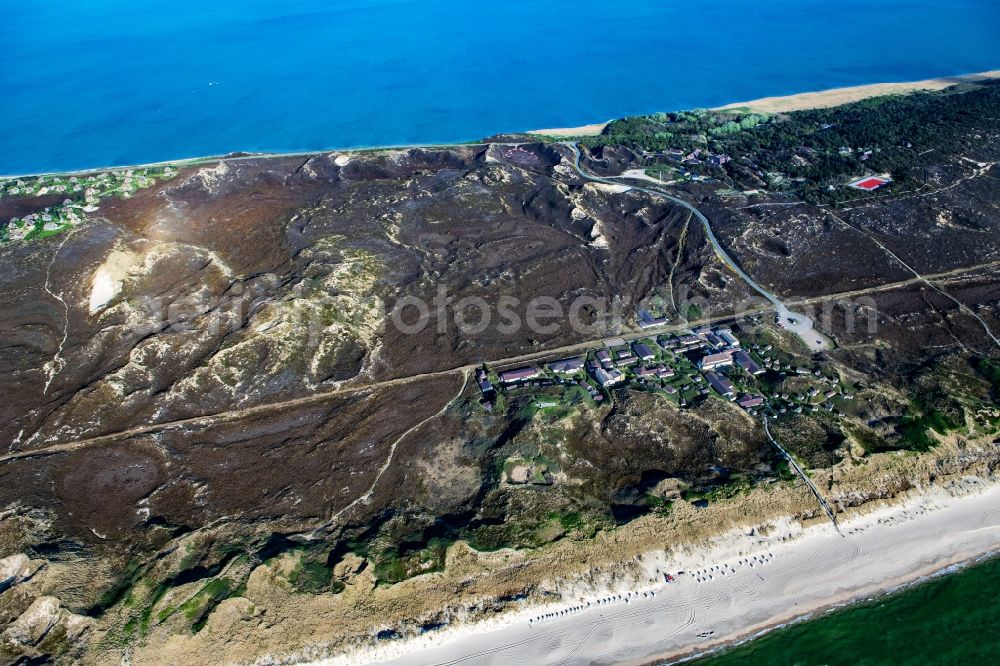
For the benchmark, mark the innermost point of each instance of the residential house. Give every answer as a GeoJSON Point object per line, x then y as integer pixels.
{"type": "Point", "coordinates": [519, 375]}
{"type": "Point", "coordinates": [664, 372]}
{"type": "Point", "coordinates": [717, 360]}
{"type": "Point", "coordinates": [744, 361]}
{"type": "Point", "coordinates": [567, 366]}
{"type": "Point", "coordinates": [721, 384]}
{"type": "Point", "coordinates": [607, 377]}
{"type": "Point", "coordinates": [727, 335]}
{"type": "Point", "coordinates": [626, 360]}
{"type": "Point", "coordinates": [643, 351]}
{"type": "Point", "coordinates": [669, 342]}
{"type": "Point", "coordinates": [484, 384]}
{"type": "Point", "coordinates": [646, 320]}
{"type": "Point", "coordinates": [689, 341]}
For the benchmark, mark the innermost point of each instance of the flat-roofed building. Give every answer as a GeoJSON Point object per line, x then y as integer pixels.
{"type": "Point", "coordinates": [615, 343]}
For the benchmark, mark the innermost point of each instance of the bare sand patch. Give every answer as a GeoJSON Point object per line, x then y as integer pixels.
{"type": "Point", "coordinates": [583, 130]}
{"type": "Point", "coordinates": [835, 97]}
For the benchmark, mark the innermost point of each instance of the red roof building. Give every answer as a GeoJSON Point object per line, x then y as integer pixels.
{"type": "Point", "coordinates": [870, 183]}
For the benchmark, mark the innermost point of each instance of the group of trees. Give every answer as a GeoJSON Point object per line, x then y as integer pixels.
{"type": "Point", "coordinates": [807, 144]}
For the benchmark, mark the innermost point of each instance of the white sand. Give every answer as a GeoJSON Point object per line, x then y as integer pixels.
{"type": "Point", "coordinates": [809, 100]}
{"type": "Point", "coordinates": [837, 96]}
{"type": "Point", "coordinates": [742, 583]}
{"type": "Point", "coordinates": [582, 130]}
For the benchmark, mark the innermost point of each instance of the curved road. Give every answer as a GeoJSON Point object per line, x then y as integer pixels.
{"type": "Point", "coordinates": [795, 322]}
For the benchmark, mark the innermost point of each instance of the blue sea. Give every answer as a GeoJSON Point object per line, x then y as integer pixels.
{"type": "Point", "coordinates": [87, 83]}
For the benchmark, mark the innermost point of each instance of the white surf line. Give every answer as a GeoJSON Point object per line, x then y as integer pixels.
{"type": "Point", "coordinates": [55, 366]}
{"type": "Point", "coordinates": [961, 306]}
{"type": "Point", "coordinates": [737, 585]}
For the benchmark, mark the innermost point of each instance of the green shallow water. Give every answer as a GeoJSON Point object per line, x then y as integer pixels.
{"type": "Point", "coordinates": [951, 619]}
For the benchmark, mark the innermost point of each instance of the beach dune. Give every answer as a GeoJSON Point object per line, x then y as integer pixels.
{"type": "Point", "coordinates": [742, 583]}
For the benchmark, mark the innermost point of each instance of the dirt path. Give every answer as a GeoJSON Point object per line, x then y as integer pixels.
{"type": "Point", "coordinates": [364, 499]}
{"type": "Point", "coordinates": [831, 514]}
{"type": "Point", "coordinates": [918, 277]}
{"type": "Point", "coordinates": [315, 398]}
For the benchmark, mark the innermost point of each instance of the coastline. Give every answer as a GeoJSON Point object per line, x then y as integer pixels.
{"type": "Point", "coordinates": [903, 586]}
{"type": "Point", "coordinates": [779, 104]}
{"type": "Point", "coordinates": [801, 572]}
{"type": "Point", "coordinates": [823, 99]}
{"type": "Point", "coordinates": [820, 99]}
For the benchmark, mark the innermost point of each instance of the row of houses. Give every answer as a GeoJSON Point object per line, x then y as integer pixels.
{"type": "Point", "coordinates": [607, 369]}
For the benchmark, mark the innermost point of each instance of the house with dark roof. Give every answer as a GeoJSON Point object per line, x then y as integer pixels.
{"type": "Point", "coordinates": [626, 360]}
{"type": "Point", "coordinates": [646, 320]}
{"type": "Point", "coordinates": [643, 351]}
{"type": "Point", "coordinates": [566, 366]}
{"type": "Point", "coordinates": [743, 360]}
{"type": "Point", "coordinates": [668, 342]}
{"type": "Point", "coordinates": [664, 372]}
{"type": "Point", "coordinates": [750, 401]}
{"type": "Point", "coordinates": [721, 384]}
{"type": "Point", "coordinates": [713, 340]}
{"type": "Point", "coordinates": [519, 375]}
{"type": "Point", "coordinates": [689, 340]}
{"type": "Point", "coordinates": [484, 384]}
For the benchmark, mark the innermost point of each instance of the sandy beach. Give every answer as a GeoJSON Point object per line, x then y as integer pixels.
{"type": "Point", "coordinates": [582, 130]}
{"type": "Point", "coordinates": [837, 96]}
{"type": "Point", "coordinates": [739, 584]}
{"type": "Point", "coordinates": [809, 100]}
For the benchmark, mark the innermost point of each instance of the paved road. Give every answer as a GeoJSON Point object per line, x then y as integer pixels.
{"type": "Point", "coordinates": [793, 321]}
{"type": "Point", "coordinates": [347, 389]}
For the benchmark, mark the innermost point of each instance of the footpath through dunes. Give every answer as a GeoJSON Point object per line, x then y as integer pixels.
{"type": "Point", "coordinates": [746, 583]}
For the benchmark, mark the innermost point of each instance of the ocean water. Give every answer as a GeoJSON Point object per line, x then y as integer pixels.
{"type": "Point", "coordinates": [952, 619]}
{"type": "Point", "coordinates": [107, 82]}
